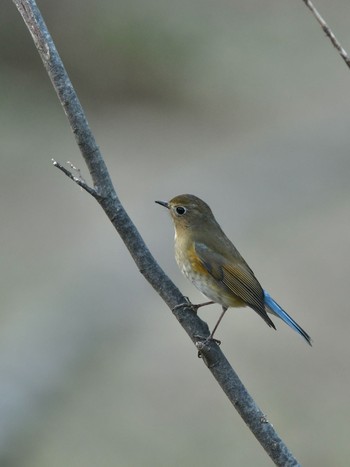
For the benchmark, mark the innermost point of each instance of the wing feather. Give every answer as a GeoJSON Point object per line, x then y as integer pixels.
{"type": "Point", "coordinates": [235, 274]}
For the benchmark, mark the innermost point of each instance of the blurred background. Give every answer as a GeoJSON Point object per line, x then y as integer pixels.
{"type": "Point", "coordinates": [243, 103]}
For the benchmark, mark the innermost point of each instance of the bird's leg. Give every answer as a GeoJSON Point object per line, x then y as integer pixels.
{"type": "Point", "coordinates": [199, 305]}
{"type": "Point", "coordinates": [211, 337]}
{"type": "Point", "coordinates": [191, 305]}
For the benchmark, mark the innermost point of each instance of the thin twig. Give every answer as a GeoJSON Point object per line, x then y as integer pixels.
{"type": "Point", "coordinates": [79, 181]}
{"type": "Point", "coordinates": [109, 201]}
{"type": "Point", "coordinates": [328, 32]}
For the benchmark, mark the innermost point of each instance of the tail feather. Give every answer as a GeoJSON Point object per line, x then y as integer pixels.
{"type": "Point", "coordinates": [274, 308]}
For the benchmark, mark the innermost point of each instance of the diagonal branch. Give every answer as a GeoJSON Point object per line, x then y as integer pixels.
{"type": "Point", "coordinates": [79, 181]}
{"type": "Point", "coordinates": [106, 196]}
{"type": "Point", "coordinates": [328, 32]}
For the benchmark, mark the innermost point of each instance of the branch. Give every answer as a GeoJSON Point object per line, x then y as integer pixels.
{"type": "Point", "coordinates": [78, 180]}
{"type": "Point", "coordinates": [106, 196]}
{"type": "Point", "coordinates": [328, 32]}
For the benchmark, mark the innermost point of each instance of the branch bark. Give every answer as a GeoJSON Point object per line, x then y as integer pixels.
{"type": "Point", "coordinates": [103, 191]}
{"type": "Point", "coordinates": [329, 33]}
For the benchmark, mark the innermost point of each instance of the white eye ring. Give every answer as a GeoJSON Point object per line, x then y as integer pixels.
{"type": "Point", "coordinates": [180, 210]}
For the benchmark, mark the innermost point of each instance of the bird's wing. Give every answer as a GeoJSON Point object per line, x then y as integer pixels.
{"type": "Point", "coordinates": [236, 275]}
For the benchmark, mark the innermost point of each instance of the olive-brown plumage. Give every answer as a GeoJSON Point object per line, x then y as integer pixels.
{"type": "Point", "coordinates": [213, 264]}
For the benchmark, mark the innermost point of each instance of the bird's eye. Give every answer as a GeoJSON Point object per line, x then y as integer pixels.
{"type": "Point", "coordinates": [180, 210]}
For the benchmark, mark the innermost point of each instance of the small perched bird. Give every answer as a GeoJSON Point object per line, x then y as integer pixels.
{"type": "Point", "coordinates": [213, 264]}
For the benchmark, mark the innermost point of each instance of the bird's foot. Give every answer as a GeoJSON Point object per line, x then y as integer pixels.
{"type": "Point", "coordinates": [193, 306]}
{"type": "Point", "coordinates": [187, 303]}
{"type": "Point", "coordinates": [203, 342]}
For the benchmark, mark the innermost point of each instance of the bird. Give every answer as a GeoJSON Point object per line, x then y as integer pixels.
{"type": "Point", "coordinates": [207, 257]}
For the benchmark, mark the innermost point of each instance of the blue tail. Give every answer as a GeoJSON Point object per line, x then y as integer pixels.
{"type": "Point", "coordinates": [274, 308]}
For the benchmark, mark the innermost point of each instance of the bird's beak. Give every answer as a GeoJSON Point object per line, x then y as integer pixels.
{"type": "Point", "coordinates": [163, 203]}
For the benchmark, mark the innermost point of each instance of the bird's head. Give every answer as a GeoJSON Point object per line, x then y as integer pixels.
{"type": "Point", "coordinates": [188, 211]}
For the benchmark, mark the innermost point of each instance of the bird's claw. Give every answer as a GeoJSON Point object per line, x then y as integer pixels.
{"type": "Point", "coordinates": [203, 342]}
{"type": "Point", "coordinates": [192, 305]}
{"type": "Point", "coordinates": [187, 304]}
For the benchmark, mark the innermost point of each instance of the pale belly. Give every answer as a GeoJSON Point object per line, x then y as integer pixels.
{"type": "Point", "coordinates": [210, 287]}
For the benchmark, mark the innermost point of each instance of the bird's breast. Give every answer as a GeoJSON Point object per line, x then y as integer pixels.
{"type": "Point", "coordinates": [187, 259]}
{"type": "Point", "coordinates": [192, 267]}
